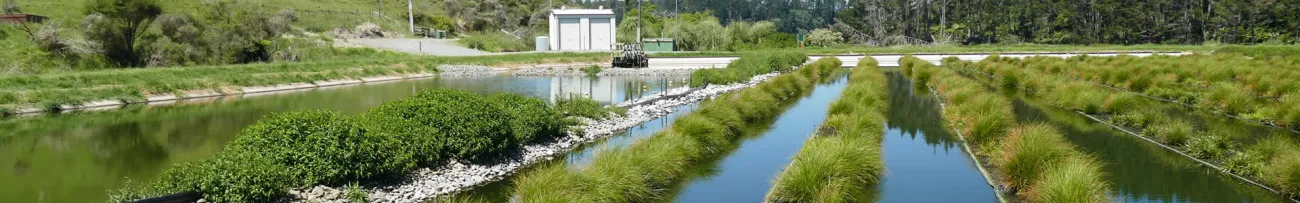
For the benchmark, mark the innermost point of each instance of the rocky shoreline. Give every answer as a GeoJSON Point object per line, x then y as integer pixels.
{"type": "Point", "coordinates": [428, 183]}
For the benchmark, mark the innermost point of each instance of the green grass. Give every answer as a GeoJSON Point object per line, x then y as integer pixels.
{"type": "Point", "coordinates": [313, 15]}
{"type": "Point", "coordinates": [644, 171]}
{"type": "Point", "coordinates": [959, 49]}
{"type": "Point", "coordinates": [842, 161]}
{"type": "Point", "coordinates": [741, 70]}
{"type": "Point", "coordinates": [1173, 131]}
{"type": "Point", "coordinates": [1029, 152]}
{"type": "Point", "coordinates": [1075, 180]}
{"type": "Point", "coordinates": [494, 41]}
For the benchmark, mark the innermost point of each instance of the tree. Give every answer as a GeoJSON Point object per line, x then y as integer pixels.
{"type": "Point", "coordinates": [11, 7]}
{"type": "Point", "coordinates": [118, 25]}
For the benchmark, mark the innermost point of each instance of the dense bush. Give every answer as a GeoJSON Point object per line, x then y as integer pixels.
{"type": "Point", "coordinates": [320, 147]}
{"type": "Point", "coordinates": [530, 118]}
{"type": "Point", "coordinates": [466, 126]}
{"type": "Point", "coordinates": [302, 149]}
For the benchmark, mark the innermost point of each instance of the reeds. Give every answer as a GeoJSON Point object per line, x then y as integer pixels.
{"type": "Point", "coordinates": [644, 171]}
{"type": "Point", "coordinates": [841, 162]}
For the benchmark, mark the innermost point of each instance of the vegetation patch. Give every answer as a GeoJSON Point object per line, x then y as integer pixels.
{"type": "Point", "coordinates": [842, 161]}
{"type": "Point", "coordinates": [307, 148]}
{"type": "Point", "coordinates": [746, 67]}
{"type": "Point", "coordinates": [1034, 161]}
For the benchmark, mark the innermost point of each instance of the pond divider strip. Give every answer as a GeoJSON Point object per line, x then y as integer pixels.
{"type": "Point", "coordinates": [988, 178]}
{"type": "Point", "coordinates": [1193, 158]}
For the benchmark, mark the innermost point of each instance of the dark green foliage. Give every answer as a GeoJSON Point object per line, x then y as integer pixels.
{"type": "Point", "coordinates": [1174, 131]}
{"type": "Point", "coordinates": [583, 107]}
{"type": "Point", "coordinates": [466, 126]}
{"type": "Point", "coordinates": [353, 193]}
{"type": "Point", "coordinates": [1209, 145]}
{"type": "Point", "coordinates": [530, 118]}
{"type": "Point", "coordinates": [748, 66]}
{"type": "Point", "coordinates": [320, 147]}
{"type": "Point", "coordinates": [118, 26]}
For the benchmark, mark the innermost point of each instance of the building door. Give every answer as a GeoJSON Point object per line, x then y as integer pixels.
{"type": "Point", "coordinates": [600, 34]}
{"type": "Point", "coordinates": [570, 34]}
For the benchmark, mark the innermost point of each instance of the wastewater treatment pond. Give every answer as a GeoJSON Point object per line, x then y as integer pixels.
{"type": "Point", "coordinates": [79, 157]}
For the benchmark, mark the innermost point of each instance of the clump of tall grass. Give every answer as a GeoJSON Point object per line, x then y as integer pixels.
{"type": "Point", "coordinates": [1140, 118]}
{"type": "Point", "coordinates": [1029, 151]}
{"type": "Point", "coordinates": [1033, 160]}
{"type": "Point", "coordinates": [1076, 179]}
{"type": "Point", "coordinates": [643, 171]}
{"type": "Point", "coordinates": [842, 161]}
{"type": "Point", "coordinates": [1210, 145]}
{"type": "Point", "coordinates": [1173, 131]}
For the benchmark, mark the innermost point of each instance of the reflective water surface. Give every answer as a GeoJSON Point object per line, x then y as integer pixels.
{"type": "Point", "coordinates": [77, 157]}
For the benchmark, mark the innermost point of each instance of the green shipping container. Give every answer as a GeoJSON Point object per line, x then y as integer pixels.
{"type": "Point", "coordinates": [658, 44]}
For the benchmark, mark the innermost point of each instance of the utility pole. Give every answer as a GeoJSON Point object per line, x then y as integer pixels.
{"type": "Point", "coordinates": [379, 7]}
{"type": "Point", "coordinates": [640, 16]}
{"type": "Point", "coordinates": [678, 31]}
{"type": "Point", "coordinates": [410, 14]}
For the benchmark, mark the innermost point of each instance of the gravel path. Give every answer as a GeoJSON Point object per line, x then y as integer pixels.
{"type": "Point", "coordinates": [428, 183]}
{"type": "Point", "coordinates": [436, 47]}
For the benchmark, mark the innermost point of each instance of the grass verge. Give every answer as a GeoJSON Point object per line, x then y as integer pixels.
{"type": "Point", "coordinates": [643, 171]}
{"type": "Point", "coordinates": [747, 67]}
{"type": "Point", "coordinates": [842, 161]}
{"type": "Point", "coordinates": [70, 88]}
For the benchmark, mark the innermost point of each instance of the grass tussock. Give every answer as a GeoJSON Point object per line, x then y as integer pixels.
{"type": "Point", "coordinates": [1033, 160]}
{"type": "Point", "coordinates": [748, 66]}
{"type": "Point", "coordinates": [842, 161]}
{"type": "Point", "coordinates": [644, 171]}
{"type": "Point", "coordinates": [1258, 89]}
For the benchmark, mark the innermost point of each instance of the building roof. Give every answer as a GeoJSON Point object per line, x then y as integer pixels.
{"type": "Point", "coordinates": [582, 12]}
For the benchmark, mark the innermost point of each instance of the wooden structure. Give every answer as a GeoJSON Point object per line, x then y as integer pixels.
{"type": "Point", "coordinates": [20, 18]}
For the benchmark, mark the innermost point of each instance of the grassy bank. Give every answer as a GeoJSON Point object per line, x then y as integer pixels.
{"type": "Point", "coordinates": [842, 161]}
{"type": "Point", "coordinates": [644, 171]}
{"type": "Point", "coordinates": [967, 49]}
{"type": "Point", "coordinates": [1268, 160]}
{"type": "Point", "coordinates": [747, 67]}
{"type": "Point", "coordinates": [306, 148]}
{"type": "Point", "coordinates": [49, 91]}
{"type": "Point", "coordinates": [1032, 161]}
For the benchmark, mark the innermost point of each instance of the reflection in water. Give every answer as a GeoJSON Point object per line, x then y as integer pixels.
{"type": "Point", "coordinates": [78, 157]}
{"type": "Point", "coordinates": [1139, 171]}
{"type": "Point", "coordinates": [915, 169]}
{"type": "Point", "coordinates": [746, 174]}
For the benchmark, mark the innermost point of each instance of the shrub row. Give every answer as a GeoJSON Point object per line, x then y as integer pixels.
{"type": "Point", "coordinates": [1034, 161]}
{"type": "Point", "coordinates": [644, 171]}
{"type": "Point", "coordinates": [1266, 160]}
{"type": "Point", "coordinates": [748, 66]}
{"type": "Point", "coordinates": [306, 148]}
{"type": "Point", "coordinates": [842, 160]}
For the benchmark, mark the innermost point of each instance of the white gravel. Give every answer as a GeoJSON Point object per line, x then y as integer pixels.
{"type": "Point", "coordinates": [428, 183]}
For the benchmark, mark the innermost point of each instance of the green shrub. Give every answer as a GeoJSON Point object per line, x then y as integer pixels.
{"type": "Point", "coordinates": [582, 107]}
{"type": "Point", "coordinates": [592, 71]}
{"type": "Point", "coordinates": [353, 193]}
{"type": "Point", "coordinates": [1209, 145]}
{"type": "Point", "coordinates": [530, 118]}
{"type": "Point", "coordinates": [1074, 180]}
{"type": "Point", "coordinates": [1028, 152]}
{"type": "Point", "coordinates": [494, 42]}
{"type": "Point", "coordinates": [321, 147]}
{"type": "Point", "coordinates": [1175, 131]}
{"type": "Point", "coordinates": [444, 123]}
{"type": "Point", "coordinates": [1140, 118]}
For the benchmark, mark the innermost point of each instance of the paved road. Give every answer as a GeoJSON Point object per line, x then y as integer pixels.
{"type": "Point", "coordinates": [851, 60]}
{"type": "Point", "coordinates": [437, 47]}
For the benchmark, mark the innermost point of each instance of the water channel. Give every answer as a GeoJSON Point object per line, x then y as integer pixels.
{"type": "Point", "coordinates": [78, 157]}
{"type": "Point", "coordinates": [1139, 171]}
{"type": "Point", "coordinates": [921, 156]}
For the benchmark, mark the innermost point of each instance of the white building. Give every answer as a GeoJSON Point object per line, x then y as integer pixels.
{"type": "Point", "coordinates": [582, 29]}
